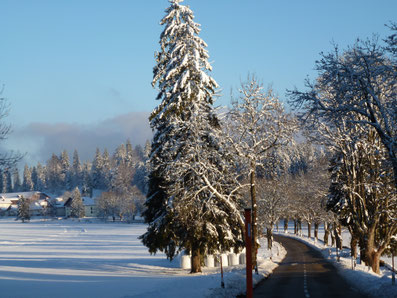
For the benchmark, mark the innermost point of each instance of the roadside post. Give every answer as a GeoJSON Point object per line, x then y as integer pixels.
{"type": "Point", "coordinates": [222, 282]}
{"type": "Point", "coordinates": [248, 250]}
{"type": "Point", "coordinates": [393, 279]}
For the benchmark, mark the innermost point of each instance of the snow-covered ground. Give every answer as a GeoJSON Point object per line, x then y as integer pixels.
{"type": "Point", "coordinates": [69, 258]}
{"type": "Point", "coordinates": [361, 277]}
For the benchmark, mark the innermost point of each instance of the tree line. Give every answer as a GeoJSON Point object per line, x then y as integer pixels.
{"type": "Point", "coordinates": [121, 175]}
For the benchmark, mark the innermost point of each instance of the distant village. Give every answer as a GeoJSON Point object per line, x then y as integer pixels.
{"type": "Point", "coordinates": [41, 204]}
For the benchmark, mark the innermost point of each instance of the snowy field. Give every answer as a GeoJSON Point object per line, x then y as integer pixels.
{"type": "Point", "coordinates": [362, 276]}
{"type": "Point", "coordinates": [68, 258]}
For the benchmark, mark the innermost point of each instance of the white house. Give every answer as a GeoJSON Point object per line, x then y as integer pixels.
{"type": "Point", "coordinates": [90, 207]}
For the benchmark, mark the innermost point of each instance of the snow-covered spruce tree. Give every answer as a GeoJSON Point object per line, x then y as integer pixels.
{"type": "Point", "coordinates": [86, 179]}
{"type": "Point", "coordinates": [77, 206]}
{"type": "Point", "coordinates": [27, 184]}
{"type": "Point", "coordinates": [186, 205]}
{"type": "Point", "coordinates": [97, 170]}
{"type": "Point", "coordinates": [41, 181]}
{"type": "Point", "coordinates": [23, 209]}
{"type": "Point", "coordinates": [76, 171]}
{"type": "Point", "coordinates": [6, 184]}
{"type": "Point", "coordinates": [65, 177]}
{"type": "Point", "coordinates": [16, 180]}
{"type": "Point", "coordinates": [53, 173]}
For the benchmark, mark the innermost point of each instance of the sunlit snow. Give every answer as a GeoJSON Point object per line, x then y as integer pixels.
{"type": "Point", "coordinates": [66, 258]}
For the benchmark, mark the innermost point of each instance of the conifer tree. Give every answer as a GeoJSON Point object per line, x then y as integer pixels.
{"type": "Point", "coordinates": [34, 178]}
{"type": "Point", "coordinates": [106, 169]}
{"type": "Point", "coordinates": [2, 182]}
{"type": "Point", "coordinates": [76, 170]}
{"type": "Point", "coordinates": [16, 181]}
{"type": "Point", "coordinates": [23, 209]}
{"type": "Point", "coordinates": [77, 206]}
{"type": "Point", "coordinates": [86, 179]}
{"type": "Point", "coordinates": [8, 180]}
{"type": "Point", "coordinates": [184, 208]}
{"type": "Point", "coordinates": [27, 184]}
{"type": "Point", "coordinates": [53, 173]}
{"type": "Point", "coordinates": [96, 170]}
{"type": "Point", "coordinates": [41, 180]}
{"type": "Point", "coordinates": [130, 158]}
{"type": "Point", "coordinates": [65, 170]}
{"type": "Point", "coordinates": [119, 155]}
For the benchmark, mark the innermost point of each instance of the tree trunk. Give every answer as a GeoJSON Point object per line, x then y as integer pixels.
{"type": "Point", "coordinates": [338, 237]}
{"type": "Point", "coordinates": [196, 261]}
{"type": "Point", "coordinates": [326, 233]}
{"type": "Point", "coordinates": [269, 236]}
{"type": "Point", "coordinates": [254, 216]}
{"type": "Point", "coordinates": [373, 259]}
{"type": "Point", "coordinates": [285, 225]}
{"type": "Point", "coordinates": [372, 254]}
{"type": "Point", "coordinates": [309, 229]}
{"type": "Point", "coordinates": [295, 227]}
{"type": "Point", "coordinates": [332, 235]}
{"type": "Point", "coordinates": [316, 230]}
{"type": "Point", "coordinates": [300, 227]}
{"type": "Point", "coordinates": [353, 246]}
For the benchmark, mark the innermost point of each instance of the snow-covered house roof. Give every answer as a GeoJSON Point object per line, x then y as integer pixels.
{"type": "Point", "coordinates": [58, 202]}
{"type": "Point", "coordinates": [26, 194]}
{"type": "Point", "coordinates": [38, 205]}
{"type": "Point", "coordinates": [87, 201]}
{"type": "Point", "coordinates": [96, 193]}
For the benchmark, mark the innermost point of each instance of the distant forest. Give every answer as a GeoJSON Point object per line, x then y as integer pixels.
{"type": "Point", "coordinates": [123, 172]}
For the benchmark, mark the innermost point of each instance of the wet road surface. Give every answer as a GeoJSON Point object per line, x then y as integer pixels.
{"type": "Point", "coordinates": [304, 273]}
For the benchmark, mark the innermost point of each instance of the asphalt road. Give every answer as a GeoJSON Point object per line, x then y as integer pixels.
{"type": "Point", "coordinates": [304, 273]}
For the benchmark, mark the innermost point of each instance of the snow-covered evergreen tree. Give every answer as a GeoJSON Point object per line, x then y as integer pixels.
{"type": "Point", "coordinates": [5, 181]}
{"type": "Point", "coordinates": [27, 184]}
{"type": "Point", "coordinates": [23, 209]}
{"type": "Point", "coordinates": [76, 170]}
{"type": "Point", "coordinates": [2, 182]}
{"type": "Point", "coordinates": [41, 177]}
{"type": "Point", "coordinates": [34, 178]}
{"type": "Point", "coordinates": [53, 173]}
{"type": "Point", "coordinates": [87, 187]}
{"type": "Point", "coordinates": [8, 180]}
{"type": "Point", "coordinates": [65, 177]}
{"type": "Point", "coordinates": [77, 206]}
{"type": "Point", "coordinates": [97, 170]}
{"type": "Point", "coordinates": [130, 154]}
{"type": "Point", "coordinates": [106, 170]}
{"type": "Point", "coordinates": [119, 155]}
{"type": "Point", "coordinates": [185, 207]}
{"type": "Point", "coordinates": [17, 186]}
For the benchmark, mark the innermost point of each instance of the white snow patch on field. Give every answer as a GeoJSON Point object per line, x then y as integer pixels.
{"type": "Point", "coordinates": [68, 258]}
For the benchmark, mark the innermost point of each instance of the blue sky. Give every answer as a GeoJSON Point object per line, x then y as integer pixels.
{"type": "Point", "coordinates": [75, 66]}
